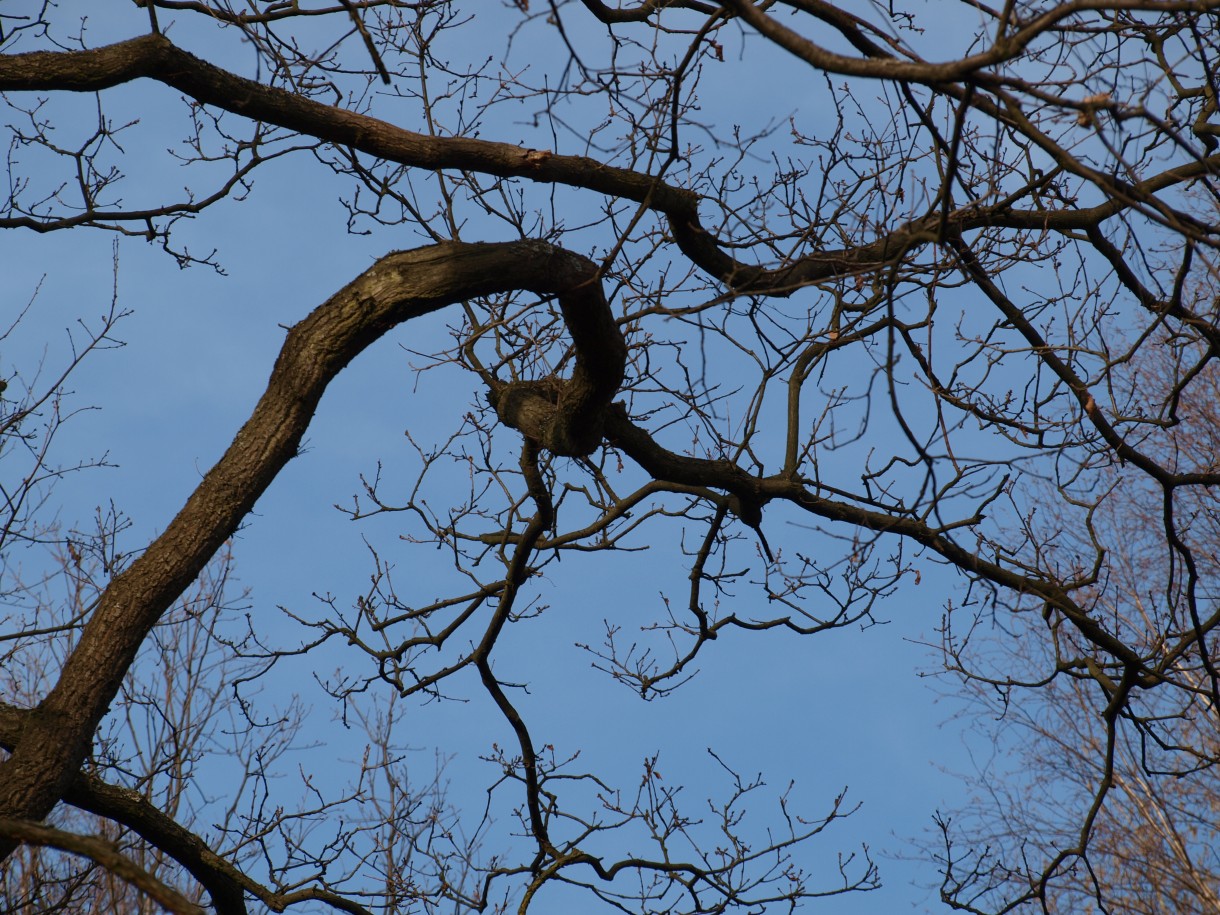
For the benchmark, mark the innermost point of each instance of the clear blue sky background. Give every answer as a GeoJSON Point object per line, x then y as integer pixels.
{"type": "Point", "coordinates": [843, 709]}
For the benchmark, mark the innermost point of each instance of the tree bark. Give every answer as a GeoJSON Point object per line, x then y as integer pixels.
{"type": "Point", "coordinates": [56, 736]}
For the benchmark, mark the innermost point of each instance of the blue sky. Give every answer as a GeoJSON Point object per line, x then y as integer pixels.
{"type": "Point", "coordinates": [843, 709]}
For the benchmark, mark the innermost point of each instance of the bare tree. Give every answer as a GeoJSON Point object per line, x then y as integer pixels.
{"type": "Point", "coordinates": [905, 316]}
{"type": "Point", "coordinates": [1152, 843]}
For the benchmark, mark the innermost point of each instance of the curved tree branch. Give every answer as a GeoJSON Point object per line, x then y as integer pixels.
{"type": "Point", "coordinates": [401, 286]}
{"type": "Point", "coordinates": [104, 853]}
{"type": "Point", "coordinates": [225, 884]}
{"type": "Point", "coordinates": [155, 57]}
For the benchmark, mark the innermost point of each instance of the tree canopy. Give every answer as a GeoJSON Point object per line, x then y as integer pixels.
{"type": "Point", "coordinates": [810, 299]}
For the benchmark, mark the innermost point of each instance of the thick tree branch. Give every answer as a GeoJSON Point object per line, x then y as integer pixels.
{"type": "Point", "coordinates": [224, 883]}
{"type": "Point", "coordinates": [880, 65]}
{"type": "Point", "coordinates": [104, 853]}
{"type": "Point", "coordinates": [56, 737]}
{"type": "Point", "coordinates": [752, 493]}
{"type": "Point", "coordinates": [157, 58]}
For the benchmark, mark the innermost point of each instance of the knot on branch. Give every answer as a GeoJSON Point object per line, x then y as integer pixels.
{"type": "Point", "coordinates": [567, 416]}
{"type": "Point", "coordinates": [561, 415]}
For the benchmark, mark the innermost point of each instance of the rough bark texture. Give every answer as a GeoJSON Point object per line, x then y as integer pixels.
{"type": "Point", "coordinates": [1012, 330]}
{"type": "Point", "coordinates": [56, 736]}
{"type": "Point", "coordinates": [155, 57]}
